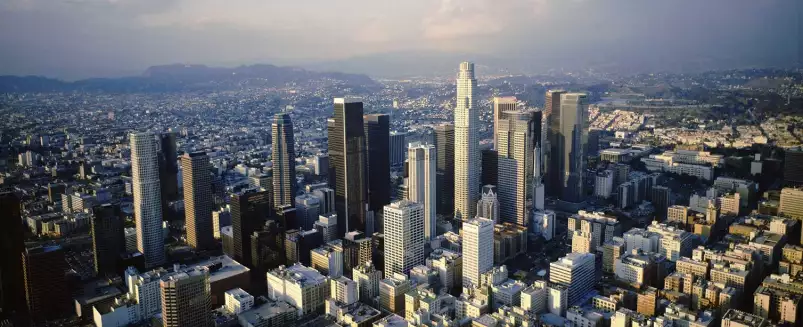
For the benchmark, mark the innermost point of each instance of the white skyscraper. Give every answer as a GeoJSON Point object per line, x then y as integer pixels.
{"type": "Point", "coordinates": [488, 205]}
{"type": "Point", "coordinates": [478, 249]}
{"type": "Point", "coordinates": [421, 188]}
{"type": "Point", "coordinates": [147, 198]}
{"type": "Point", "coordinates": [466, 149]}
{"type": "Point", "coordinates": [577, 272]}
{"type": "Point", "coordinates": [404, 237]}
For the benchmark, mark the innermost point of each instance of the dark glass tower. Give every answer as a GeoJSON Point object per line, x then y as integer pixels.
{"type": "Point", "coordinates": [284, 160]}
{"type": "Point", "coordinates": [490, 167]}
{"type": "Point", "coordinates": [12, 293]}
{"type": "Point", "coordinates": [793, 168]}
{"type": "Point", "coordinates": [570, 146]}
{"type": "Point", "coordinates": [46, 289]}
{"type": "Point", "coordinates": [347, 165]}
{"type": "Point", "coordinates": [444, 142]}
{"type": "Point", "coordinates": [168, 171]}
{"type": "Point", "coordinates": [108, 238]}
{"type": "Point", "coordinates": [552, 125]}
{"type": "Point", "coordinates": [377, 143]}
{"type": "Point", "coordinates": [249, 211]}
{"type": "Point", "coordinates": [198, 200]}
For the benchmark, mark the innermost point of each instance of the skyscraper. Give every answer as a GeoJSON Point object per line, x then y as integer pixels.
{"type": "Point", "coordinates": [308, 208]}
{"type": "Point", "coordinates": [478, 250]}
{"type": "Point", "coordinates": [490, 167]}
{"type": "Point", "coordinates": [444, 142]}
{"type": "Point", "coordinates": [168, 170]}
{"type": "Point", "coordinates": [404, 237]}
{"type": "Point", "coordinates": [516, 136]}
{"type": "Point", "coordinates": [347, 165]}
{"type": "Point", "coordinates": [793, 167]}
{"type": "Point", "coordinates": [186, 298]}
{"type": "Point", "coordinates": [502, 105]}
{"type": "Point", "coordinates": [377, 140]}
{"type": "Point", "coordinates": [467, 152]}
{"type": "Point", "coordinates": [108, 238]}
{"type": "Point", "coordinates": [12, 293]}
{"type": "Point", "coordinates": [398, 147]}
{"type": "Point", "coordinates": [551, 128]}
{"type": "Point", "coordinates": [147, 198]}
{"type": "Point", "coordinates": [46, 291]}
{"type": "Point", "coordinates": [249, 211]}
{"type": "Point", "coordinates": [421, 185]}
{"type": "Point", "coordinates": [577, 272]}
{"type": "Point", "coordinates": [568, 150]}
{"type": "Point", "coordinates": [198, 200]}
{"type": "Point", "coordinates": [284, 160]}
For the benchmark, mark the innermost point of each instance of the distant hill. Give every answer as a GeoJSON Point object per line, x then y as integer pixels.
{"type": "Point", "coordinates": [179, 77]}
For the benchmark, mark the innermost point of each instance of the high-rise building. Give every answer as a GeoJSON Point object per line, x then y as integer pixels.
{"type": "Point", "coordinates": [570, 135]}
{"type": "Point", "coordinates": [308, 208]}
{"type": "Point", "coordinates": [284, 160]}
{"type": "Point", "coordinates": [328, 259]}
{"type": "Point", "coordinates": [298, 244]}
{"type": "Point", "coordinates": [197, 200]}
{"type": "Point", "coordinates": [367, 278]}
{"type": "Point", "coordinates": [186, 298]}
{"type": "Point", "coordinates": [551, 128]}
{"type": "Point", "coordinates": [404, 236]}
{"type": "Point", "coordinates": [544, 223]}
{"type": "Point", "coordinates": [577, 272]}
{"type": "Point", "coordinates": [501, 107]}
{"type": "Point", "coordinates": [444, 142]}
{"type": "Point", "coordinates": [302, 287]}
{"type": "Point", "coordinates": [397, 148]}
{"type": "Point", "coordinates": [660, 200]}
{"type": "Point", "coordinates": [147, 198]}
{"type": "Point", "coordinates": [490, 167]}
{"type": "Point", "coordinates": [168, 169]}
{"type": "Point", "coordinates": [516, 136]}
{"type": "Point", "coordinates": [267, 247]}
{"type": "Point", "coordinates": [286, 216]}
{"type": "Point", "coordinates": [46, 291]}
{"type": "Point", "coordinates": [678, 214]}
{"type": "Point", "coordinates": [791, 203]}
{"type": "Point", "coordinates": [108, 238]}
{"type": "Point", "coordinates": [422, 184]}
{"type": "Point", "coordinates": [478, 250]}
{"type": "Point", "coordinates": [12, 241]}
{"type": "Point", "coordinates": [466, 150]}
{"type": "Point", "coordinates": [377, 139]}
{"type": "Point", "coordinates": [326, 196]}
{"type": "Point", "coordinates": [249, 211]}
{"type": "Point", "coordinates": [357, 250]}
{"type": "Point", "coordinates": [793, 167]}
{"type": "Point", "coordinates": [391, 292]}
{"type": "Point", "coordinates": [488, 205]}
{"type": "Point", "coordinates": [347, 165]}
{"type": "Point", "coordinates": [603, 184]}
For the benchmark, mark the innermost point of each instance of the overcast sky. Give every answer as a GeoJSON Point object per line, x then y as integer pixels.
{"type": "Point", "coordinates": [83, 38]}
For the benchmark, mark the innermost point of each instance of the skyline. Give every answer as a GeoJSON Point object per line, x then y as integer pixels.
{"type": "Point", "coordinates": [97, 38]}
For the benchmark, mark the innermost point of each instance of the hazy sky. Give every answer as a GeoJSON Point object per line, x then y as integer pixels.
{"type": "Point", "coordinates": [81, 38]}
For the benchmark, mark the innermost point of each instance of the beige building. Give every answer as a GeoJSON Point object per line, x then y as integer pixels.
{"type": "Point", "coordinates": [198, 200]}
{"type": "Point", "coordinates": [186, 298]}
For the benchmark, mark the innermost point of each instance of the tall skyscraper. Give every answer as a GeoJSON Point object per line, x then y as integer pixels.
{"type": "Point", "coordinates": [168, 169]}
{"type": "Point", "coordinates": [198, 200]}
{"type": "Point", "coordinates": [444, 142]}
{"type": "Point", "coordinates": [108, 237]}
{"type": "Point", "coordinates": [490, 167]}
{"type": "Point", "coordinates": [308, 208]}
{"type": "Point", "coordinates": [347, 165]}
{"type": "Point", "coordinates": [793, 167]}
{"type": "Point", "coordinates": [577, 271]}
{"type": "Point", "coordinates": [551, 128]}
{"type": "Point", "coordinates": [46, 291]}
{"type": "Point", "coordinates": [502, 105]}
{"type": "Point", "coordinates": [404, 237]}
{"type": "Point", "coordinates": [467, 151]}
{"type": "Point", "coordinates": [478, 250]}
{"type": "Point", "coordinates": [377, 139]}
{"type": "Point", "coordinates": [12, 293]}
{"type": "Point", "coordinates": [398, 147]}
{"type": "Point", "coordinates": [516, 136]}
{"type": "Point", "coordinates": [568, 150]}
{"type": "Point", "coordinates": [284, 160]}
{"type": "Point", "coordinates": [187, 298]}
{"type": "Point", "coordinates": [422, 184]}
{"type": "Point", "coordinates": [147, 198]}
{"type": "Point", "coordinates": [249, 211]}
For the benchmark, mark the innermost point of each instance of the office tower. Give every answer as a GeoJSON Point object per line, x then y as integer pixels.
{"type": "Point", "coordinates": [220, 218]}
{"type": "Point", "coordinates": [568, 150]}
{"type": "Point", "coordinates": [552, 127]}
{"type": "Point", "coordinates": [501, 107]}
{"type": "Point", "coordinates": [108, 239]}
{"type": "Point", "coordinates": [326, 197]}
{"type": "Point", "coordinates": [357, 250]}
{"type": "Point", "coordinates": [539, 190]}
{"type": "Point", "coordinates": [466, 151]}
{"type": "Point", "coordinates": [186, 298]}
{"type": "Point", "coordinates": [391, 292]}
{"type": "Point", "coordinates": [343, 290]}
{"type": "Point", "coordinates": [308, 208]}
{"type": "Point", "coordinates": [284, 160]}
{"type": "Point", "coordinates": [488, 205]}
{"type": "Point", "coordinates": [398, 148]}
{"type": "Point", "coordinates": [444, 143]}
{"type": "Point", "coordinates": [168, 169]}
{"type": "Point", "coordinates": [300, 286]}
{"type": "Point", "coordinates": [267, 247]}
{"type": "Point", "coordinates": [328, 259]}
{"type": "Point", "coordinates": [404, 236]}
{"type": "Point", "coordinates": [478, 250]}
{"type": "Point", "coordinates": [286, 216]}
{"type": "Point", "coordinates": [197, 200]}
{"type": "Point", "coordinates": [611, 251]}
{"type": "Point", "coordinates": [147, 198]}
{"type": "Point", "coordinates": [678, 214]}
{"type": "Point", "coordinates": [515, 149]}
{"type": "Point", "coordinates": [793, 167]}
{"type": "Point", "coordinates": [660, 200]}
{"type": "Point", "coordinates": [377, 139]}
{"type": "Point", "coordinates": [620, 174]}
{"type": "Point", "coordinates": [544, 223]}
{"type": "Point", "coordinates": [347, 165]}
{"type": "Point", "coordinates": [367, 278]}
{"type": "Point", "coordinates": [577, 272]}
{"type": "Point", "coordinates": [249, 211]}
{"type": "Point", "coordinates": [298, 244]}
{"type": "Point", "coordinates": [791, 204]}
{"type": "Point", "coordinates": [490, 167]}
{"type": "Point", "coordinates": [327, 227]}
{"type": "Point", "coordinates": [12, 293]}
{"type": "Point", "coordinates": [422, 184]}
{"type": "Point", "coordinates": [46, 291]}
{"type": "Point", "coordinates": [603, 184]}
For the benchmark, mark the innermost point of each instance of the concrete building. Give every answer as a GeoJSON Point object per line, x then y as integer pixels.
{"type": "Point", "coordinates": [599, 226]}
{"type": "Point", "coordinates": [677, 214]}
{"type": "Point", "coordinates": [478, 255]}
{"type": "Point", "coordinates": [603, 184]}
{"type": "Point", "coordinates": [302, 287]}
{"type": "Point", "coordinates": [577, 271]}
{"type": "Point", "coordinates": [488, 205]}
{"type": "Point", "coordinates": [397, 148]}
{"type": "Point", "coordinates": [147, 198]}
{"type": "Point", "coordinates": [367, 278]}
{"type": "Point", "coordinates": [674, 242]}
{"type": "Point", "coordinates": [736, 318]}
{"type": "Point", "coordinates": [449, 265]}
{"type": "Point", "coordinates": [544, 224]}
{"type": "Point", "coordinates": [270, 314]}
{"type": "Point", "coordinates": [611, 251]}
{"type": "Point", "coordinates": [343, 290]}
{"type": "Point", "coordinates": [238, 301]}
{"type": "Point", "coordinates": [421, 183]}
{"type": "Point", "coordinates": [404, 236]}
{"type": "Point", "coordinates": [510, 240]}
{"type": "Point", "coordinates": [391, 292]}
{"type": "Point", "coordinates": [327, 227]}
{"type": "Point", "coordinates": [308, 209]}
{"type": "Point", "coordinates": [328, 259]}
{"type": "Point", "coordinates": [186, 298]}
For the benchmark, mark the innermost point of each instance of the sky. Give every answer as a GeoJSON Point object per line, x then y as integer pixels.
{"type": "Point", "coordinates": [73, 39]}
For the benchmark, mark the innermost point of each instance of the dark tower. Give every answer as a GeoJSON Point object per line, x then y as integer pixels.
{"type": "Point", "coordinates": [46, 290]}
{"type": "Point", "coordinates": [552, 125]}
{"type": "Point", "coordinates": [168, 171]}
{"type": "Point", "coordinates": [444, 142]}
{"type": "Point", "coordinates": [249, 211]}
{"type": "Point", "coordinates": [12, 292]}
{"type": "Point", "coordinates": [347, 165]}
{"type": "Point", "coordinates": [198, 200]}
{"type": "Point", "coordinates": [377, 143]}
{"type": "Point", "coordinates": [284, 160]}
{"type": "Point", "coordinates": [108, 238]}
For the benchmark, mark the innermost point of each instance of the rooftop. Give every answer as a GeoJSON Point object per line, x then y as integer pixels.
{"type": "Point", "coordinates": [255, 316]}
{"type": "Point", "coordinates": [300, 274]}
